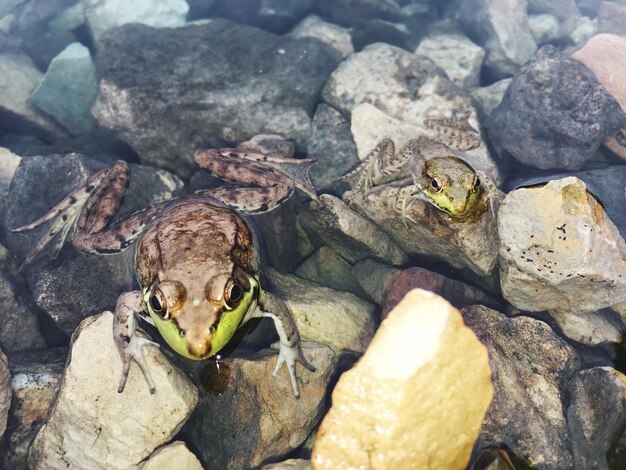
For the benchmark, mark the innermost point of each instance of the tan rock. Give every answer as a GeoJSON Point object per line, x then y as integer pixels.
{"type": "Point", "coordinates": [174, 455]}
{"type": "Point", "coordinates": [559, 250]}
{"type": "Point", "coordinates": [5, 392]}
{"type": "Point", "coordinates": [417, 397]}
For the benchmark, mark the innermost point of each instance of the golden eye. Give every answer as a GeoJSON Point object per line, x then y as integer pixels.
{"type": "Point", "coordinates": [158, 304]}
{"type": "Point", "coordinates": [436, 185]}
{"type": "Point", "coordinates": [232, 294]}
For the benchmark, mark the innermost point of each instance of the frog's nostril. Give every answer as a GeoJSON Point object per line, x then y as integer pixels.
{"type": "Point", "coordinates": [199, 348]}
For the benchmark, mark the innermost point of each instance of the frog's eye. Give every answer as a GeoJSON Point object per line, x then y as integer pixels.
{"type": "Point", "coordinates": [232, 294]}
{"type": "Point", "coordinates": [158, 304]}
{"type": "Point", "coordinates": [476, 183]}
{"type": "Point", "coordinates": [436, 185]}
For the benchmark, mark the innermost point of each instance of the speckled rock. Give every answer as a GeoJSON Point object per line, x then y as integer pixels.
{"type": "Point", "coordinates": [348, 233]}
{"type": "Point", "coordinates": [69, 89]}
{"type": "Point", "coordinates": [329, 33]}
{"type": "Point", "coordinates": [501, 27]}
{"type": "Point", "coordinates": [398, 407]}
{"type": "Point", "coordinates": [109, 276]}
{"type": "Point", "coordinates": [174, 455]}
{"type": "Point", "coordinates": [264, 420]}
{"type": "Point", "coordinates": [555, 114]}
{"type": "Point", "coordinates": [612, 18]}
{"type": "Point", "coordinates": [457, 293]}
{"type": "Point", "coordinates": [5, 392]}
{"type": "Point", "coordinates": [559, 250]}
{"type": "Point", "coordinates": [591, 328]}
{"type": "Point", "coordinates": [248, 82]}
{"type": "Point", "coordinates": [18, 77]}
{"type": "Point", "coordinates": [456, 54]}
{"type": "Point", "coordinates": [36, 380]}
{"type": "Point", "coordinates": [531, 367]}
{"type": "Point", "coordinates": [376, 278]}
{"type": "Point", "coordinates": [340, 320]}
{"type": "Point", "coordinates": [596, 418]}
{"type": "Point", "coordinates": [122, 429]}
{"type": "Point", "coordinates": [103, 15]}
{"type": "Point", "coordinates": [605, 55]}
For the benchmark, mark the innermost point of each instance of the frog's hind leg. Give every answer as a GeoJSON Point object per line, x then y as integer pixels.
{"type": "Point", "coordinates": [455, 133]}
{"type": "Point", "coordinates": [371, 165]}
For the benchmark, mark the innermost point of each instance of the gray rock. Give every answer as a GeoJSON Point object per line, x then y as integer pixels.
{"type": "Point", "coordinates": [596, 418]}
{"type": "Point", "coordinates": [344, 12]}
{"type": "Point", "coordinates": [558, 8]}
{"type": "Point", "coordinates": [559, 250]}
{"type": "Point", "coordinates": [103, 15]}
{"type": "Point", "coordinates": [5, 392]}
{"type": "Point", "coordinates": [579, 29]}
{"type": "Point", "coordinates": [329, 269]}
{"type": "Point", "coordinates": [122, 429]}
{"type": "Point", "coordinates": [531, 367]}
{"type": "Point", "coordinates": [69, 89]}
{"type": "Point", "coordinates": [348, 233]}
{"type": "Point", "coordinates": [64, 289]}
{"type": "Point", "coordinates": [612, 18]}
{"type": "Point", "coordinates": [332, 145]}
{"type": "Point", "coordinates": [489, 98]}
{"type": "Point", "coordinates": [591, 328]}
{"type": "Point", "coordinates": [501, 27]}
{"type": "Point", "coordinates": [329, 33]}
{"type": "Point", "coordinates": [174, 455]}
{"type": "Point", "coordinates": [8, 164]}
{"type": "Point", "coordinates": [370, 31]}
{"type": "Point", "coordinates": [18, 77]}
{"type": "Point", "coordinates": [544, 28]}
{"type": "Point", "coordinates": [272, 15]}
{"type": "Point", "coordinates": [248, 82]}
{"type": "Point", "coordinates": [589, 7]}
{"type": "Point", "coordinates": [36, 379]}
{"type": "Point", "coordinates": [376, 278]}
{"type": "Point", "coordinates": [555, 113]}
{"type": "Point", "coordinates": [255, 417]}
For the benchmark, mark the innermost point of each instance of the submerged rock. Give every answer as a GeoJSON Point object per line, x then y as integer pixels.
{"type": "Point", "coordinates": [255, 417]}
{"type": "Point", "coordinates": [122, 428]}
{"type": "Point", "coordinates": [401, 405]}
{"type": "Point", "coordinates": [559, 250]}
{"type": "Point", "coordinates": [272, 15]}
{"type": "Point", "coordinates": [169, 92]}
{"type": "Point", "coordinates": [5, 392]}
{"type": "Point", "coordinates": [174, 455]}
{"type": "Point", "coordinates": [329, 33]}
{"type": "Point", "coordinates": [612, 18]}
{"type": "Point", "coordinates": [531, 367]}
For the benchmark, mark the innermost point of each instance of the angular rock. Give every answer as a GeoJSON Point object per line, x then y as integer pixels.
{"type": "Point", "coordinates": [605, 55]}
{"type": "Point", "coordinates": [531, 367]}
{"type": "Point", "coordinates": [344, 12]}
{"type": "Point", "coordinates": [174, 455]}
{"type": "Point", "coordinates": [340, 320]}
{"type": "Point", "coordinates": [591, 328]}
{"type": "Point", "coordinates": [8, 164]}
{"type": "Point", "coordinates": [457, 293]}
{"type": "Point", "coordinates": [332, 145]}
{"type": "Point", "coordinates": [329, 269]}
{"type": "Point", "coordinates": [348, 233]}
{"type": "Point", "coordinates": [276, 16]}
{"type": "Point", "coordinates": [69, 89]}
{"type": "Point", "coordinates": [558, 8]}
{"type": "Point", "coordinates": [371, 31]}
{"type": "Point", "coordinates": [376, 278]}
{"type": "Point", "coordinates": [544, 28]}
{"type": "Point", "coordinates": [555, 114]}
{"type": "Point", "coordinates": [36, 380]}
{"type": "Point", "coordinates": [335, 36]}
{"type": "Point", "coordinates": [108, 276]}
{"type": "Point", "coordinates": [263, 420]}
{"type": "Point", "coordinates": [103, 15]}
{"type": "Point", "coordinates": [121, 429]}
{"type": "Point", "coordinates": [291, 464]}
{"type": "Point", "coordinates": [18, 78]}
{"type": "Point", "coordinates": [398, 407]}
{"type": "Point", "coordinates": [596, 417]}
{"type": "Point", "coordinates": [612, 18]}
{"type": "Point", "coordinates": [20, 328]}
{"type": "Point", "coordinates": [5, 392]}
{"type": "Point", "coordinates": [559, 250]}
{"type": "Point", "coordinates": [488, 98]}
{"type": "Point", "coordinates": [247, 82]}
{"type": "Point", "coordinates": [471, 243]}
{"type": "Point", "coordinates": [501, 27]}
{"type": "Point", "coordinates": [456, 54]}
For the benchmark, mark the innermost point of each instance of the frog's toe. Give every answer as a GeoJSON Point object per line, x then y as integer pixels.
{"type": "Point", "coordinates": [132, 352]}
{"type": "Point", "coordinates": [289, 355]}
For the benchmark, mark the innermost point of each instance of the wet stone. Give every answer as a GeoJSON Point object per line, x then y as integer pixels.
{"type": "Point", "coordinates": [559, 8]}
{"type": "Point", "coordinates": [612, 18]}
{"type": "Point", "coordinates": [5, 392]}
{"type": "Point", "coordinates": [329, 33]}
{"type": "Point", "coordinates": [276, 16]}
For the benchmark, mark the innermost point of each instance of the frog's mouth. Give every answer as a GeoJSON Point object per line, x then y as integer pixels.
{"type": "Point", "coordinates": [443, 205]}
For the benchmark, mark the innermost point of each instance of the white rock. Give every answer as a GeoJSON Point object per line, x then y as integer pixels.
{"type": "Point", "coordinates": [559, 250]}
{"type": "Point", "coordinates": [8, 164]}
{"type": "Point", "coordinates": [416, 399]}
{"type": "Point", "coordinates": [329, 33]}
{"type": "Point", "coordinates": [592, 328]}
{"type": "Point", "coordinates": [174, 455]}
{"type": "Point", "coordinates": [103, 15]}
{"type": "Point", "coordinates": [93, 426]}
{"type": "Point", "coordinates": [456, 54]}
{"type": "Point", "coordinates": [544, 27]}
{"type": "Point", "coordinates": [579, 29]}
{"type": "Point", "coordinates": [5, 392]}
{"type": "Point", "coordinates": [338, 319]}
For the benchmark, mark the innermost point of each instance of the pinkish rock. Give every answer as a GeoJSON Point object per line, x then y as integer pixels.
{"type": "Point", "coordinates": [612, 18]}
{"type": "Point", "coordinates": [457, 293]}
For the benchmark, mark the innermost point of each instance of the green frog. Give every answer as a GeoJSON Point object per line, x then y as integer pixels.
{"type": "Point", "coordinates": [196, 257]}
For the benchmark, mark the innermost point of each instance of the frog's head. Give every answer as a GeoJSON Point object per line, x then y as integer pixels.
{"type": "Point", "coordinates": [450, 184]}
{"type": "Point", "coordinates": [198, 319]}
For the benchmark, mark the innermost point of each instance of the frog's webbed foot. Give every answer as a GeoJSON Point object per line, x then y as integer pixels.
{"type": "Point", "coordinates": [289, 349]}
{"type": "Point", "coordinates": [405, 198]}
{"type": "Point", "coordinates": [128, 343]}
{"type": "Point", "coordinates": [373, 166]}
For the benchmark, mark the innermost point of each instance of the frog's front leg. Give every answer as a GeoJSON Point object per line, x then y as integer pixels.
{"type": "Point", "coordinates": [128, 343]}
{"type": "Point", "coordinates": [273, 179]}
{"type": "Point", "coordinates": [289, 350]}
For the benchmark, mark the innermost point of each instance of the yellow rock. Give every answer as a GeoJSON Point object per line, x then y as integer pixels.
{"type": "Point", "coordinates": [417, 397]}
